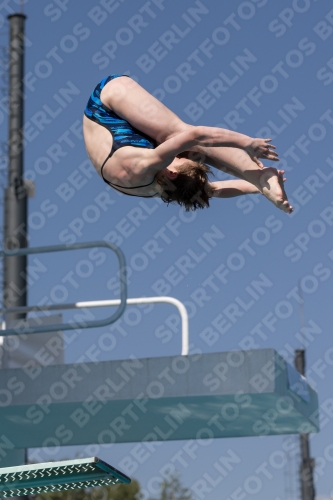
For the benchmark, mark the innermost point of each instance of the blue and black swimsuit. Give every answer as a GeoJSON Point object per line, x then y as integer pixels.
{"type": "Point", "coordinates": [122, 132]}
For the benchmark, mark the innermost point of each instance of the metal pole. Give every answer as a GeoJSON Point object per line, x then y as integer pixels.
{"type": "Point", "coordinates": [307, 463]}
{"type": "Point", "coordinates": [15, 210]}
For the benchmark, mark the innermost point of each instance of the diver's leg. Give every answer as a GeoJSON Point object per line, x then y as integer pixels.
{"type": "Point", "coordinates": [142, 110]}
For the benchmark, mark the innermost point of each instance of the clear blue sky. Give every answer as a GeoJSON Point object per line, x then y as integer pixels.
{"type": "Point", "coordinates": [274, 60]}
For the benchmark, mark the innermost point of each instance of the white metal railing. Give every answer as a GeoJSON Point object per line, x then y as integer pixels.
{"type": "Point", "coordinates": [107, 303]}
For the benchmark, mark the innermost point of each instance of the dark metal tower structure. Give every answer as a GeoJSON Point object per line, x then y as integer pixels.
{"type": "Point", "coordinates": [307, 463]}
{"type": "Point", "coordinates": [15, 202]}
{"type": "Point", "coordinates": [15, 209]}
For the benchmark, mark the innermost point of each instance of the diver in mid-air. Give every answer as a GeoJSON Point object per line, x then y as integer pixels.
{"type": "Point", "coordinates": [141, 148]}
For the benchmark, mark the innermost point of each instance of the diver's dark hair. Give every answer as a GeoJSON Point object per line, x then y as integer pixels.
{"type": "Point", "coordinates": [189, 189]}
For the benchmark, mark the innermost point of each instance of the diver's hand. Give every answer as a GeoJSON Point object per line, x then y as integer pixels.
{"type": "Point", "coordinates": [261, 148]}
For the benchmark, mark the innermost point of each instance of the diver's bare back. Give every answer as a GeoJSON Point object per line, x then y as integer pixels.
{"type": "Point", "coordinates": [120, 167]}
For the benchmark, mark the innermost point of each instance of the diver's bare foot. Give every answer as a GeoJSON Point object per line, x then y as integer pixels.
{"type": "Point", "coordinates": [271, 186]}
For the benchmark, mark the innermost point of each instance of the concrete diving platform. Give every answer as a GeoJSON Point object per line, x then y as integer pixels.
{"type": "Point", "coordinates": [200, 396]}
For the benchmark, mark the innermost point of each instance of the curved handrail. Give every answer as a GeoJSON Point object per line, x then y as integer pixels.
{"type": "Point", "coordinates": [106, 303]}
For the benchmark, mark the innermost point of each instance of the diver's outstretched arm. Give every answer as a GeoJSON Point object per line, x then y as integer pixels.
{"type": "Point", "coordinates": [268, 181]}
{"type": "Point", "coordinates": [231, 188]}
